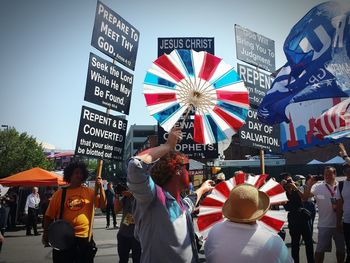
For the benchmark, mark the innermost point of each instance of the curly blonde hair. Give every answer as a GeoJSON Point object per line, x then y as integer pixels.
{"type": "Point", "coordinates": [167, 166]}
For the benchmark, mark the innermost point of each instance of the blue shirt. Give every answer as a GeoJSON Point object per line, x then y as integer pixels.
{"type": "Point", "coordinates": [110, 196]}
{"type": "Point", "coordinates": [162, 226]}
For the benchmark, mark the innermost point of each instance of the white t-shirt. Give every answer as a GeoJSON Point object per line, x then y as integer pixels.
{"type": "Point", "coordinates": [232, 242]}
{"type": "Point", "coordinates": [346, 197]}
{"type": "Point", "coordinates": [326, 214]}
{"type": "Point", "coordinates": [33, 201]}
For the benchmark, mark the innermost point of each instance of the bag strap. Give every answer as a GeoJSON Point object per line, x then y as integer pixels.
{"type": "Point", "coordinates": [332, 192]}
{"type": "Point", "coordinates": [63, 199]}
{"type": "Point", "coordinates": [341, 184]}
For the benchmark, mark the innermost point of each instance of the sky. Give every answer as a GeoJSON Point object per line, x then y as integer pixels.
{"type": "Point", "coordinates": [45, 46]}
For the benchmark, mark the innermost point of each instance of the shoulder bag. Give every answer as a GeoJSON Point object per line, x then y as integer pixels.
{"type": "Point", "coordinates": [61, 233]}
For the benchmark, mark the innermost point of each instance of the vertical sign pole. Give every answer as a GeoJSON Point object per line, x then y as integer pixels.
{"type": "Point", "coordinates": [98, 175]}
{"type": "Point", "coordinates": [261, 151]}
{"type": "Point", "coordinates": [262, 161]}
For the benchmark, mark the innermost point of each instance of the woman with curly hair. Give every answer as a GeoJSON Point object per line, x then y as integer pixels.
{"type": "Point", "coordinates": [77, 210]}
{"type": "Point", "coordinates": [163, 224]}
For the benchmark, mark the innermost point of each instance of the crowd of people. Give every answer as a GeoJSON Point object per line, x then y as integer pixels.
{"type": "Point", "coordinates": [157, 219]}
{"type": "Point", "coordinates": [327, 194]}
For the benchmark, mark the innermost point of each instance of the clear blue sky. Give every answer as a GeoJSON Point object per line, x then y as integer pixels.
{"type": "Point", "coordinates": [45, 46]}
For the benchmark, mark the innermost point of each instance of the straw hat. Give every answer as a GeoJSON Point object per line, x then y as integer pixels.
{"type": "Point", "coordinates": [246, 204]}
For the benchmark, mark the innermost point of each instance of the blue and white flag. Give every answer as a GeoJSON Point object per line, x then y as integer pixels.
{"type": "Point", "coordinates": [318, 62]}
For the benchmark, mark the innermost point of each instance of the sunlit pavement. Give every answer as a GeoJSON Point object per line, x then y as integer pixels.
{"type": "Point", "coordinates": [21, 248]}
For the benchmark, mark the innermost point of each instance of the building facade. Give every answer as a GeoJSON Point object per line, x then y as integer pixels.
{"type": "Point", "coordinates": [136, 138]}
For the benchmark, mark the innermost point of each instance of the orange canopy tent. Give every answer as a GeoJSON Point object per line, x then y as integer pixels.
{"type": "Point", "coordinates": [33, 177]}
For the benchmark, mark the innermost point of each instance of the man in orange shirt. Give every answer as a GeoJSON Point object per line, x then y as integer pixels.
{"type": "Point", "coordinates": [77, 211]}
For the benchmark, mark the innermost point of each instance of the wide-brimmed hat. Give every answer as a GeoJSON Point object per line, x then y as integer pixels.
{"type": "Point", "coordinates": [246, 204]}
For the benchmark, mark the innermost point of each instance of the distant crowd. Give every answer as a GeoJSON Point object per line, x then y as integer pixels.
{"type": "Point", "coordinates": [158, 206]}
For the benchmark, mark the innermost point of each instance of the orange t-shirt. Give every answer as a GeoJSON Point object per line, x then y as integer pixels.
{"type": "Point", "coordinates": [77, 208]}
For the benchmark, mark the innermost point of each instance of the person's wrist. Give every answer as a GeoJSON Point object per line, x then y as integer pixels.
{"type": "Point", "coordinates": [169, 146]}
{"type": "Point", "coordinates": [199, 191]}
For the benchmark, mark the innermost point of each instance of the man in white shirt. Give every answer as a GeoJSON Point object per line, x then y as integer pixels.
{"type": "Point", "coordinates": [31, 209]}
{"type": "Point", "coordinates": [240, 238]}
{"type": "Point", "coordinates": [324, 193]}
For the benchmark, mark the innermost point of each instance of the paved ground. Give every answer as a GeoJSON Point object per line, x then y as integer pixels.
{"type": "Point", "coordinates": [20, 248]}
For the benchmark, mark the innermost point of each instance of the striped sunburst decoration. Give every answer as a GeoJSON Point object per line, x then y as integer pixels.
{"type": "Point", "coordinates": [210, 210]}
{"type": "Point", "coordinates": [186, 79]}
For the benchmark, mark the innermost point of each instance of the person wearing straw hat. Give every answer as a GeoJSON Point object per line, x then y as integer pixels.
{"type": "Point", "coordinates": [163, 222]}
{"type": "Point", "coordinates": [239, 238]}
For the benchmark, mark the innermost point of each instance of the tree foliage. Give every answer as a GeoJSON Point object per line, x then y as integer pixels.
{"type": "Point", "coordinates": [20, 152]}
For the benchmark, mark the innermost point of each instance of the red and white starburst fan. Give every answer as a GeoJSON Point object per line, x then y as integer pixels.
{"type": "Point", "coordinates": [186, 80]}
{"type": "Point", "coordinates": [210, 210]}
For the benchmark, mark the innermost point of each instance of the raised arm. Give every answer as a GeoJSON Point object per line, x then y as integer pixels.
{"type": "Point", "coordinates": [207, 186]}
{"type": "Point", "coordinates": [155, 153]}
{"type": "Point", "coordinates": [139, 180]}
{"type": "Point", "coordinates": [343, 153]}
{"type": "Point", "coordinates": [307, 192]}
